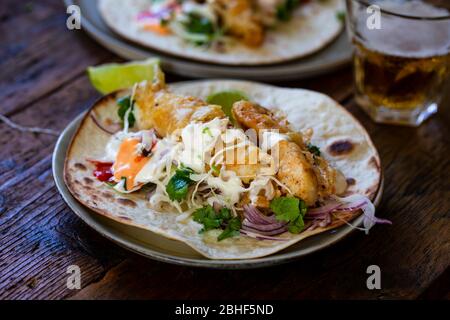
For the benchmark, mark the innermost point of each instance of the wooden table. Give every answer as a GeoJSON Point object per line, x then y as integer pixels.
{"type": "Point", "coordinates": [43, 83]}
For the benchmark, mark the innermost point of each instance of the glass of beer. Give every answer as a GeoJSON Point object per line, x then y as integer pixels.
{"type": "Point", "coordinates": [401, 57]}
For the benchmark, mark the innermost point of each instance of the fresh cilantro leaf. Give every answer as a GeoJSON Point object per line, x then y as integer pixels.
{"type": "Point", "coordinates": [303, 208]}
{"type": "Point", "coordinates": [286, 208]}
{"type": "Point", "coordinates": [284, 10]}
{"type": "Point", "coordinates": [297, 226]}
{"type": "Point", "coordinates": [225, 214]}
{"type": "Point", "coordinates": [197, 23]}
{"type": "Point", "coordinates": [314, 149]}
{"type": "Point", "coordinates": [340, 15]}
{"type": "Point", "coordinates": [124, 105]}
{"type": "Point", "coordinates": [208, 218]}
{"type": "Point", "coordinates": [232, 229]}
{"type": "Point", "coordinates": [184, 172]}
{"type": "Point", "coordinates": [291, 210]}
{"type": "Point", "coordinates": [178, 186]}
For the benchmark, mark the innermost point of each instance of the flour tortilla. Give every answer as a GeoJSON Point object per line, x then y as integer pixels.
{"type": "Point", "coordinates": [335, 130]}
{"type": "Point", "coordinates": [311, 28]}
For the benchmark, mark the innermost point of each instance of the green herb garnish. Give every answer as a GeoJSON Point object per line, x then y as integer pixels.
{"type": "Point", "coordinates": [178, 186]}
{"type": "Point", "coordinates": [340, 15]}
{"type": "Point", "coordinates": [314, 149]}
{"type": "Point", "coordinates": [291, 210]}
{"type": "Point", "coordinates": [124, 179]}
{"type": "Point", "coordinates": [210, 219]}
{"type": "Point", "coordinates": [284, 10]}
{"type": "Point", "coordinates": [197, 23]}
{"type": "Point", "coordinates": [232, 229]}
{"type": "Point", "coordinates": [124, 105]}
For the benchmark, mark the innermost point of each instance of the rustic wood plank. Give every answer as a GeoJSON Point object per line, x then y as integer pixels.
{"type": "Point", "coordinates": [439, 289]}
{"type": "Point", "coordinates": [337, 84]}
{"type": "Point", "coordinates": [41, 54]}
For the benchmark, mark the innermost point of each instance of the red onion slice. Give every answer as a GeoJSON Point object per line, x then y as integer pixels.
{"type": "Point", "coordinates": [257, 223]}
{"type": "Point", "coordinates": [327, 208]}
{"type": "Point", "coordinates": [322, 216]}
{"type": "Point", "coordinates": [264, 227]}
{"type": "Point", "coordinates": [255, 216]}
{"type": "Point", "coordinates": [268, 230]}
{"type": "Point", "coordinates": [351, 206]}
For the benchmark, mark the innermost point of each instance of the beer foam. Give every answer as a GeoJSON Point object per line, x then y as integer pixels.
{"type": "Point", "coordinates": [405, 37]}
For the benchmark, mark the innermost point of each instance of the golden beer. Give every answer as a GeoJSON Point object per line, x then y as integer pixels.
{"type": "Point", "coordinates": [402, 62]}
{"type": "Point", "coordinates": [398, 82]}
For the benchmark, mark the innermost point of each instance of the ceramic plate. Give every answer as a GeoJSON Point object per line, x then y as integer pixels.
{"type": "Point", "coordinates": [332, 57]}
{"type": "Point", "coordinates": [159, 248]}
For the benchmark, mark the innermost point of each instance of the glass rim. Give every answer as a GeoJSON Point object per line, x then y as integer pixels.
{"type": "Point", "coordinates": [406, 16]}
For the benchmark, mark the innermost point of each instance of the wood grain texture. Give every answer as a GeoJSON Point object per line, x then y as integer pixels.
{"type": "Point", "coordinates": [41, 55]}
{"type": "Point", "coordinates": [43, 84]}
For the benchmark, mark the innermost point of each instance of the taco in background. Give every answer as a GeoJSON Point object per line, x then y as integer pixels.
{"type": "Point", "coordinates": [235, 32]}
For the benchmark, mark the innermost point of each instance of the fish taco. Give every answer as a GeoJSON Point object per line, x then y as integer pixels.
{"type": "Point", "coordinates": [236, 170]}
{"type": "Point", "coordinates": [234, 32]}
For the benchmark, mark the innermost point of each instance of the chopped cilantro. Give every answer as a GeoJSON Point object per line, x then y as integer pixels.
{"type": "Point", "coordinates": [284, 10]}
{"type": "Point", "coordinates": [224, 220]}
{"type": "Point", "coordinates": [340, 15]}
{"type": "Point", "coordinates": [178, 186]}
{"type": "Point", "coordinates": [232, 229]}
{"type": "Point", "coordinates": [197, 23]}
{"type": "Point", "coordinates": [225, 214]}
{"type": "Point", "coordinates": [208, 218]}
{"type": "Point", "coordinates": [313, 149]}
{"type": "Point", "coordinates": [291, 210]}
{"type": "Point", "coordinates": [124, 105]}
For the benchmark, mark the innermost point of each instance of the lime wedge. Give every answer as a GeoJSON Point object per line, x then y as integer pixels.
{"type": "Point", "coordinates": [111, 77]}
{"type": "Point", "coordinates": [226, 99]}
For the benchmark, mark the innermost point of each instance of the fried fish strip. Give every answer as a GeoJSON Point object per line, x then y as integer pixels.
{"type": "Point", "coordinates": [307, 176]}
{"type": "Point", "coordinates": [239, 20]}
{"type": "Point", "coordinates": [166, 112]}
{"type": "Point", "coordinates": [251, 115]}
